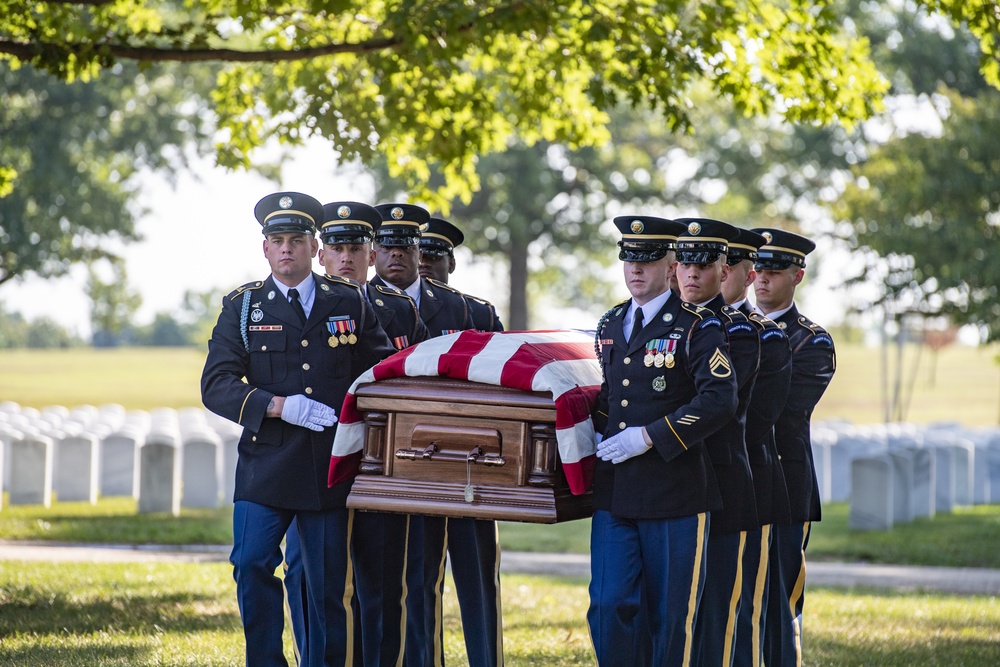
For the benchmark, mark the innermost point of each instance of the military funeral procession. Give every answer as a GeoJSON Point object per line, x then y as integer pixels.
{"type": "Point", "coordinates": [486, 333]}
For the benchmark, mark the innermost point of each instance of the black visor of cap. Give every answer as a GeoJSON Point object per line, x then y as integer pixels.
{"type": "Point", "coordinates": [737, 255]}
{"type": "Point", "coordinates": [700, 253]}
{"type": "Point", "coordinates": [347, 238]}
{"type": "Point", "coordinates": [284, 224]}
{"type": "Point", "coordinates": [434, 251]}
{"type": "Point", "coordinates": [774, 261]}
{"type": "Point", "coordinates": [642, 252]}
{"type": "Point", "coordinates": [396, 240]}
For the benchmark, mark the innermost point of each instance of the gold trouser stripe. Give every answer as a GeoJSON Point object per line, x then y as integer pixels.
{"type": "Point", "coordinates": [402, 602]}
{"type": "Point", "coordinates": [438, 602]}
{"type": "Point", "coordinates": [349, 592]}
{"type": "Point", "coordinates": [693, 597]}
{"type": "Point", "coordinates": [245, 398]}
{"type": "Point", "coordinates": [797, 591]}
{"type": "Point", "coordinates": [496, 580]}
{"type": "Point", "coordinates": [734, 601]}
{"type": "Point", "coordinates": [675, 433]}
{"type": "Point", "coordinates": [758, 593]}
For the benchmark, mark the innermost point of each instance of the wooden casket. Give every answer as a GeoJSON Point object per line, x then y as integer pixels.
{"type": "Point", "coordinates": [454, 448]}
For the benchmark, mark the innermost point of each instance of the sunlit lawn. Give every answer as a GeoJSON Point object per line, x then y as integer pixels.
{"type": "Point", "coordinates": [132, 615]}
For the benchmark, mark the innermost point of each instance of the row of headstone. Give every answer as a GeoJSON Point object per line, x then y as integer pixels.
{"type": "Point", "coordinates": [894, 473]}
{"type": "Point", "coordinates": [165, 458]}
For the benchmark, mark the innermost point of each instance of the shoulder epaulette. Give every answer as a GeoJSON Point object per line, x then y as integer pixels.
{"type": "Point", "coordinates": [340, 280]}
{"type": "Point", "coordinates": [257, 284]}
{"type": "Point", "coordinates": [445, 286]}
{"type": "Point", "coordinates": [478, 300]}
{"type": "Point", "coordinates": [697, 311]}
{"type": "Point", "coordinates": [391, 291]}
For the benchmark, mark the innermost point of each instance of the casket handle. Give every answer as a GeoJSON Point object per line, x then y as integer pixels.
{"type": "Point", "coordinates": [433, 453]}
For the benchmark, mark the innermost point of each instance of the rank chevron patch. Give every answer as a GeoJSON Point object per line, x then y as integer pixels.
{"type": "Point", "coordinates": [719, 364]}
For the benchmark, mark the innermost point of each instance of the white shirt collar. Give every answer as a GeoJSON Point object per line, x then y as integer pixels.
{"type": "Point", "coordinates": [649, 309]}
{"type": "Point", "coordinates": [307, 292]}
{"type": "Point", "coordinates": [776, 314]}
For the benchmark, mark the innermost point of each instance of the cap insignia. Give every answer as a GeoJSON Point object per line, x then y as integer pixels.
{"type": "Point", "coordinates": [285, 202]}
{"type": "Point", "coordinates": [396, 213]}
{"type": "Point", "coordinates": [424, 227]}
{"type": "Point", "coordinates": [694, 229]}
{"type": "Point", "coordinates": [767, 236]}
{"type": "Point", "coordinates": [344, 211]}
{"type": "Point", "coordinates": [637, 227]}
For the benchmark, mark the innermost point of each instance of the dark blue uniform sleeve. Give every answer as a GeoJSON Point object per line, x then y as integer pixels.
{"type": "Point", "coordinates": [224, 390]}
{"type": "Point", "coordinates": [715, 397]}
{"type": "Point", "coordinates": [814, 362]}
{"type": "Point", "coordinates": [771, 389]}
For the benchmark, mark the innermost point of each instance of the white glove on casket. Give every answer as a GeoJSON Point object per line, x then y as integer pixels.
{"type": "Point", "coordinates": [303, 411]}
{"type": "Point", "coordinates": [623, 446]}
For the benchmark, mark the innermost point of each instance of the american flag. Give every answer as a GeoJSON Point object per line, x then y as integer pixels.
{"type": "Point", "coordinates": [560, 362]}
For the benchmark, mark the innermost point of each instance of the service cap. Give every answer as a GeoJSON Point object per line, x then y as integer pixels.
{"type": "Point", "coordinates": [645, 238]}
{"type": "Point", "coordinates": [349, 222]}
{"type": "Point", "coordinates": [285, 212]}
{"type": "Point", "coordinates": [744, 246]}
{"type": "Point", "coordinates": [703, 240]}
{"type": "Point", "coordinates": [400, 224]}
{"type": "Point", "coordinates": [782, 249]}
{"type": "Point", "coordinates": [439, 237]}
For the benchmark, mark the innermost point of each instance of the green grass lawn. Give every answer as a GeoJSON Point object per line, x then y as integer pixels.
{"type": "Point", "coordinates": [132, 615]}
{"type": "Point", "coordinates": [961, 385]}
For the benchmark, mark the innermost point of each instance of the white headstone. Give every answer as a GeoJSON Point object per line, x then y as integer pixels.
{"type": "Point", "coordinates": [160, 474]}
{"type": "Point", "coordinates": [202, 469]}
{"type": "Point", "coordinates": [76, 463]}
{"type": "Point", "coordinates": [965, 458]}
{"type": "Point", "coordinates": [120, 463]}
{"type": "Point", "coordinates": [924, 495]}
{"type": "Point", "coordinates": [31, 471]}
{"type": "Point", "coordinates": [871, 493]}
{"type": "Point", "coordinates": [902, 486]}
{"type": "Point", "coordinates": [944, 478]}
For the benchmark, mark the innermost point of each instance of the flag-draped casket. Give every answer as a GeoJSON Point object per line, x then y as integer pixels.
{"type": "Point", "coordinates": [474, 424]}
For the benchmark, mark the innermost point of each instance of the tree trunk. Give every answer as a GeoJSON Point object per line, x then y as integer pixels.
{"type": "Point", "coordinates": [518, 284]}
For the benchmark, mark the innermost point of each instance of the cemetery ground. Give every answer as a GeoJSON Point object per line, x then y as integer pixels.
{"type": "Point", "coordinates": [101, 613]}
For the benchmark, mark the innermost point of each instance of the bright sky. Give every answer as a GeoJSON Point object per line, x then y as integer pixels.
{"type": "Point", "coordinates": [202, 235]}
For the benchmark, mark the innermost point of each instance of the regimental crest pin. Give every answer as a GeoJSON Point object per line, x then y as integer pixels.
{"type": "Point", "coordinates": [659, 383]}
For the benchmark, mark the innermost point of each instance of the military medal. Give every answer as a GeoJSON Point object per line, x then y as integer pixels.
{"type": "Point", "coordinates": [658, 360]}
{"type": "Point", "coordinates": [648, 359]}
{"type": "Point", "coordinates": [668, 357]}
{"type": "Point", "coordinates": [342, 329]}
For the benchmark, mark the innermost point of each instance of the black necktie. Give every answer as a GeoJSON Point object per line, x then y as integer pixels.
{"type": "Point", "coordinates": [636, 325]}
{"type": "Point", "coordinates": [293, 295]}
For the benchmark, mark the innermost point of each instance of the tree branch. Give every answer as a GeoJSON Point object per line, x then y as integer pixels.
{"type": "Point", "coordinates": [27, 51]}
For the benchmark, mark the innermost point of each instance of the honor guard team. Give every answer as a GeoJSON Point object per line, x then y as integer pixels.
{"type": "Point", "coordinates": [704, 487]}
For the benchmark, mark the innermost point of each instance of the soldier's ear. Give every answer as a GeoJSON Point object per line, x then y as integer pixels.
{"type": "Point", "coordinates": [451, 264]}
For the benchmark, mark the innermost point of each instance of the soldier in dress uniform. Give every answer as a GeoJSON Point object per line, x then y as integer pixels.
{"type": "Point", "coordinates": [780, 268]}
{"type": "Point", "coordinates": [443, 310]}
{"type": "Point", "coordinates": [668, 384]}
{"type": "Point", "coordinates": [438, 240]}
{"type": "Point", "coordinates": [472, 544]}
{"type": "Point", "coordinates": [347, 231]}
{"type": "Point", "coordinates": [702, 248]}
{"type": "Point", "coordinates": [280, 360]}
{"type": "Point", "coordinates": [767, 400]}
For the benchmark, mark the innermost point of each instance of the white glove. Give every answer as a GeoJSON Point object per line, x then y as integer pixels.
{"type": "Point", "coordinates": [303, 411]}
{"type": "Point", "coordinates": [623, 446]}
